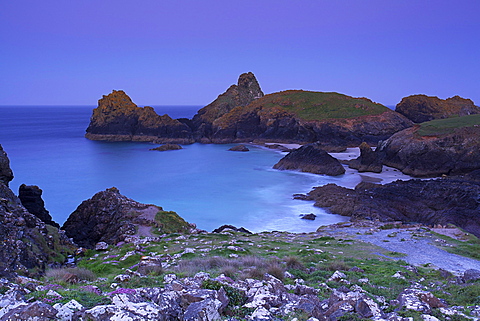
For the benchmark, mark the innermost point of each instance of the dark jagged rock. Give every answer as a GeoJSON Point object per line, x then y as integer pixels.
{"type": "Point", "coordinates": [111, 217]}
{"type": "Point", "coordinates": [455, 151]}
{"type": "Point", "coordinates": [28, 244]}
{"type": "Point", "coordinates": [166, 147]}
{"type": "Point", "coordinates": [6, 174]}
{"type": "Point", "coordinates": [117, 118]}
{"type": "Point", "coordinates": [310, 158]}
{"type": "Point", "coordinates": [452, 200]}
{"type": "Point", "coordinates": [239, 148]}
{"type": "Point", "coordinates": [421, 108]}
{"type": "Point", "coordinates": [232, 228]}
{"type": "Point", "coordinates": [310, 216]}
{"type": "Point", "coordinates": [240, 95]}
{"type": "Point", "coordinates": [31, 198]}
{"type": "Point", "coordinates": [367, 161]}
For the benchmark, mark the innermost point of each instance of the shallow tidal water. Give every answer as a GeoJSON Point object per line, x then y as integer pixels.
{"type": "Point", "coordinates": [205, 184]}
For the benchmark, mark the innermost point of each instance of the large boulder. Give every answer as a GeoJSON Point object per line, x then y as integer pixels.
{"type": "Point", "coordinates": [111, 217]}
{"type": "Point", "coordinates": [448, 146]}
{"type": "Point", "coordinates": [421, 108]}
{"type": "Point", "coordinates": [117, 118]}
{"type": "Point", "coordinates": [31, 198]}
{"type": "Point", "coordinates": [312, 159]}
{"type": "Point", "coordinates": [452, 200]}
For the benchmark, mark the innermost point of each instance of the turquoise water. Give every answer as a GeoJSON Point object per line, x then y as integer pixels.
{"type": "Point", "coordinates": [206, 184]}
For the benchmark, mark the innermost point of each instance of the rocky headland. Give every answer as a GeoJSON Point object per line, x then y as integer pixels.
{"type": "Point", "coordinates": [421, 108]}
{"type": "Point", "coordinates": [244, 114]}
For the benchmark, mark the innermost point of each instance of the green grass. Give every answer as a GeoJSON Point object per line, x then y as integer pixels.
{"type": "Point", "coordinates": [439, 127]}
{"type": "Point", "coordinates": [468, 248]}
{"type": "Point", "coordinates": [311, 105]}
{"type": "Point", "coordinates": [170, 222]}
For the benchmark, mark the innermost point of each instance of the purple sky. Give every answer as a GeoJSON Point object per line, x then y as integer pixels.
{"type": "Point", "coordinates": [176, 52]}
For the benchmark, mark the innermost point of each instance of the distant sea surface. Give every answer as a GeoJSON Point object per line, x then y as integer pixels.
{"type": "Point", "coordinates": [205, 184]}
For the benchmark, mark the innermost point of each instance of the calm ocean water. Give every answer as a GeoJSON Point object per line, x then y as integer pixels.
{"type": "Point", "coordinates": [205, 184]}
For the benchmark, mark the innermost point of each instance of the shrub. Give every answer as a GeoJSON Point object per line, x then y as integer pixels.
{"type": "Point", "coordinates": [70, 275]}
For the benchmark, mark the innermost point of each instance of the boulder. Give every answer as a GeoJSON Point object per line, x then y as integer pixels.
{"type": "Point", "coordinates": [239, 148]}
{"type": "Point", "coordinates": [310, 158]}
{"type": "Point", "coordinates": [310, 216]}
{"type": "Point", "coordinates": [227, 227]}
{"type": "Point", "coordinates": [31, 198]}
{"type": "Point", "coordinates": [367, 161]}
{"type": "Point", "coordinates": [111, 217]}
{"type": "Point", "coordinates": [166, 147]}
{"type": "Point", "coordinates": [421, 108]}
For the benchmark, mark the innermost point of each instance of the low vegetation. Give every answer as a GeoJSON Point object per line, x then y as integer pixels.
{"type": "Point", "coordinates": [440, 127]}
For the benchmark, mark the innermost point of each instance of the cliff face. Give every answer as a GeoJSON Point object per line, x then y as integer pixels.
{"type": "Point", "coordinates": [28, 244]}
{"type": "Point", "coordinates": [6, 174]}
{"type": "Point", "coordinates": [117, 118]}
{"type": "Point", "coordinates": [418, 151]}
{"type": "Point", "coordinates": [110, 217]}
{"type": "Point", "coordinates": [31, 198]}
{"type": "Point", "coordinates": [421, 108]}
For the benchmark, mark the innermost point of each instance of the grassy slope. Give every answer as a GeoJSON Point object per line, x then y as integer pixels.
{"type": "Point", "coordinates": [444, 126]}
{"type": "Point", "coordinates": [310, 105]}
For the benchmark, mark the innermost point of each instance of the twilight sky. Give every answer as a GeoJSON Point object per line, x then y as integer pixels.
{"type": "Point", "coordinates": [186, 52]}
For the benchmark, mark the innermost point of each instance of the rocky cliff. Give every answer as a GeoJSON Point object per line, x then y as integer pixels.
{"type": "Point", "coordinates": [117, 118]}
{"type": "Point", "coordinates": [421, 108]}
{"type": "Point", "coordinates": [28, 244]}
{"type": "Point", "coordinates": [244, 114]}
{"type": "Point", "coordinates": [448, 146]}
{"type": "Point", "coordinates": [441, 201]}
{"type": "Point", "coordinates": [111, 217]}
{"type": "Point", "coordinates": [31, 198]}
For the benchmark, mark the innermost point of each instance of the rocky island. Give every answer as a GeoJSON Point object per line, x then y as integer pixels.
{"type": "Point", "coordinates": [244, 114]}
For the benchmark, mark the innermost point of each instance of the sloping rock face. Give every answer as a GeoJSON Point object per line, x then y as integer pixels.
{"type": "Point", "coordinates": [28, 244]}
{"type": "Point", "coordinates": [310, 158]}
{"type": "Point", "coordinates": [452, 200]}
{"type": "Point", "coordinates": [246, 91]}
{"type": "Point", "coordinates": [31, 198]}
{"type": "Point", "coordinates": [421, 108]}
{"type": "Point", "coordinates": [117, 118]}
{"type": "Point", "coordinates": [111, 217]}
{"type": "Point", "coordinates": [456, 152]}
{"type": "Point", "coordinates": [305, 117]}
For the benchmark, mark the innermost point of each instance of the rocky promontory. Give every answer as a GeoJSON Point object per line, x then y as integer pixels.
{"type": "Point", "coordinates": [452, 200]}
{"type": "Point", "coordinates": [243, 114]}
{"type": "Point", "coordinates": [29, 245]}
{"type": "Point", "coordinates": [440, 147]}
{"type": "Point", "coordinates": [312, 159]}
{"type": "Point", "coordinates": [110, 217]}
{"type": "Point", "coordinates": [421, 108]}
{"type": "Point", "coordinates": [31, 198]}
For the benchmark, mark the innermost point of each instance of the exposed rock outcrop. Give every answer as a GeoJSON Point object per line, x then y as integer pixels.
{"type": "Point", "coordinates": [111, 217]}
{"type": "Point", "coordinates": [166, 147]}
{"type": "Point", "coordinates": [450, 152]}
{"type": "Point", "coordinates": [31, 198]}
{"type": "Point", "coordinates": [28, 244]}
{"type": "Point", "coordinates": [239, 148]}
{"type": "Point", "coordinates": [117, 118]}
{"type": "Point", "coordinates": [310, 158]}
{"type": "Point", "coordinates": [367, 161]}
{"type": "Point", "coordinates": [441, 201]}
{"type": "Point", "coordinates": [421, 108]}
{"type": "Point", "coordinates": [243, 93]}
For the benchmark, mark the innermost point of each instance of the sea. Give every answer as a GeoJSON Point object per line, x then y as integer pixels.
{"type": "Point", "coordinates": [206, 184]}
